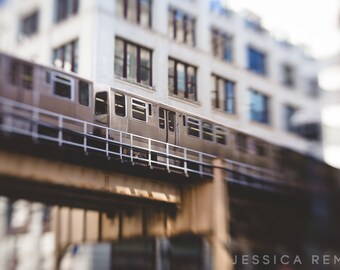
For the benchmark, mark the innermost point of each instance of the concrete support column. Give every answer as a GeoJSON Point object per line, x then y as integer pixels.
{"type": "Point", "coordinates": [220, 219]}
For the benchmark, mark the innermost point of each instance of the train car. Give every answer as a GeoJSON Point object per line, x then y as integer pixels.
{"type": "Point", "coordinates": [46, 88]}
{"type": "Point", "coordinates": [124, 111]}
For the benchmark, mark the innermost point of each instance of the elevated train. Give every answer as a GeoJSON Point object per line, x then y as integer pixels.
{"type": "Point", "coordinates": [66, 93]}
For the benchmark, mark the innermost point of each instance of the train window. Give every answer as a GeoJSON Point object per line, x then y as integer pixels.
{"type": "Point", "coordinates": [27, 79]}
{"type": "Point", "coordinates": [120, 105]}
{"type": "Point", "coordinates": [260, 149]}
{"type": "Point", "coordinates": [193, 127]}
{"type": "Point", "coordinates": [241, 142]}
{"type": "Point", "coordinates": [84, 93]}
{"type": "Point", "coordinates": [13, 72]}
{"type": "Point", "coordinates": [172, 117]}
{"type": "Point", "coordinates": [184, 121]}
{"type": "Point", "coordinates": [150, 109]}
{"type": "Point", "coordinates": [161, 116]}
{"type": "Point", "coordinates": [220, 135]}
{"type": "Point", "coordinates": [138, 109]}
{"type": "Point", "coordinates": [100, 106]}
{"type": "Point", "coordinates": [62, 86]}
{"type": "Point", "coordinates": [207, 131]}
{"type": "Point", "coordinates": [48, 77]}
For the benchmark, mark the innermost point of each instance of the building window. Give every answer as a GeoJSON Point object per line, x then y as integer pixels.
{"type": "Point", "coordinates": [222, 45]}
{"type": "Point", "coordinates": [313, 87]}
{"type": "Point", "coordinates": [84, 93]}
{"type": "Point", "coordinates": [66, 8]}
{"type": "Point", "coordinates": [256, 61]}
{"type": "Point", "coordinates": [29, 25]}
{"type": "Point", "coordinates": [120, 105]}
{"type": "Point", "coordinates": [193, 127]}
{"type": "Point", "coordinates": [182, 79]}
{"type": "Point", "coordinates": [137, 11]}
{"type": "Point", "coordinates": [133, 62]}
{"type": "Point", "coordinates": [224, 94]}
{"type": "Point", "coordinates": [289, 113]}
{"type": "Point", "coordinates": [138, 110]}
{"type": "Point", "coordinates": [181, 27]}
{"type": "Point", "coordinates": [288, 75]}
{"type": "Point", "coordinates": [66, 56]}
{"type": "Point", "coordinates": [259, 107]}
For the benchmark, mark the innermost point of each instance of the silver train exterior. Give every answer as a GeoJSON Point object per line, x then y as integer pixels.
{"type": "Point", "coordinates": [67, 94]}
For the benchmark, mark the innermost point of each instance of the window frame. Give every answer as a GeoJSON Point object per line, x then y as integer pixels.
{"type": "Point", "coordinates": [139, 48]}
{"type": "Point", "coordinates": [138, 14]}
{"type": "Point", "coordinates": [72, 9]}
{"type": "Point", "coordinates": [257, 64]}
{"type": "Point", "coordinates": [27, 19]}
{"type": "Point", "coordinates": [222, 130]}
{"type": "Point", "coordinates": [186, 19]}
{"type": "Point", "coordinates": [174, 80]}
{"type": "Point", "coordinates": [71, 84]}
{"type": "Point", "coordinates": [219, 37]}
{"type": "Point", "coordinates": [211, 130]}
{"type": "Point", "coordinates": [188, 121]}
{"type": "Point", "coordinates": [222, 92]}
{"type": "Point", "coordinates": [138, 105]}
{"type": "Point", "coordinates": [264, 113]}
{"type": "Point", "coordinates": [125, 104]}
{"type": "Point", "coordinates": [88, 95]}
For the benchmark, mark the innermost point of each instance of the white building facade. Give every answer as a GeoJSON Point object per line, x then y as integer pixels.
{"type": "Point", "coordinates": [190, 54]}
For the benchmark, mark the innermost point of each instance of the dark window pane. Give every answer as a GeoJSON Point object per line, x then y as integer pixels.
{"type": "Point", "coordinates": [62, 89]}
{"type": "Point", "coordinates": [29, 25]}
{"type": "Point", "coordinates": [119, 57]}
{"type": "Point", "coordinates": [193, 127]}
{"type": "Point", "coordinates": [181, 27]}
{"type": "Point", "coordinates": [84, 93]}
{"type": "Point", "coordinates": [256, 61]}
{"type": "Point", "coordinates": [161, 118]}
{"type": "Point", "coordinates": [133, 62]}
{"type": "Point", "coordinates": [14, 73]}
{"type": "Point", "coordinates": [66, 8]}
{"type": "Point", "coordinates": [138, 110]}
{"type": "Point", "coordinates": [259, 110]}
{"type": "Point", "coordinates": [172, 120]}
{"type": "Point", "coordinates": [66, 56]}
{"type": "Point", "coordinates": [101, 103]}
{"type": "Point", "coordinates": [241, 142]}
{"type": "Point", "coordinates": [120, 107]}
{"type": "Point", "coordinates": [221, 136]}
{"type": "Point", "coordinates": [207, 131]}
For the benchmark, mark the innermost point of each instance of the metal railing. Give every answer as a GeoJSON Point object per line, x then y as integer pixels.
{"type": "Point", "coordinates": [40, 124]}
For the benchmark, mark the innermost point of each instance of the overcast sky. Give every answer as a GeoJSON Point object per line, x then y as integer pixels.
{"type": "Point", "coordinates": [309, 22]}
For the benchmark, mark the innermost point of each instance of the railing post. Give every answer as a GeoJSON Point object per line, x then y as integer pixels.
{"type": "Point", "coordinates": [35, 124]}
{"type": "Point", "coordinates": [60, 130]}
{"type": "Point", "coordinates": [167, 157]}
{"type": "Point", "coordinates": [185, 165]}
{"type": "Point", "coordinates": [149, 154]}
{"type": "Point", "coordinates": [107, 141]}
{"type": "Point", "coordinates": [121, 145]}
{"type": "Point", "coordinates": [131, 147]}
{"type": "Point", "coordinates": [200, 163]}
{"type": "Point", "coordinates": [85, 137]}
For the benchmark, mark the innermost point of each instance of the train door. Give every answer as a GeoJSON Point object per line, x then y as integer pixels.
{"type": "Point", "coordinates": [167, 126]}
